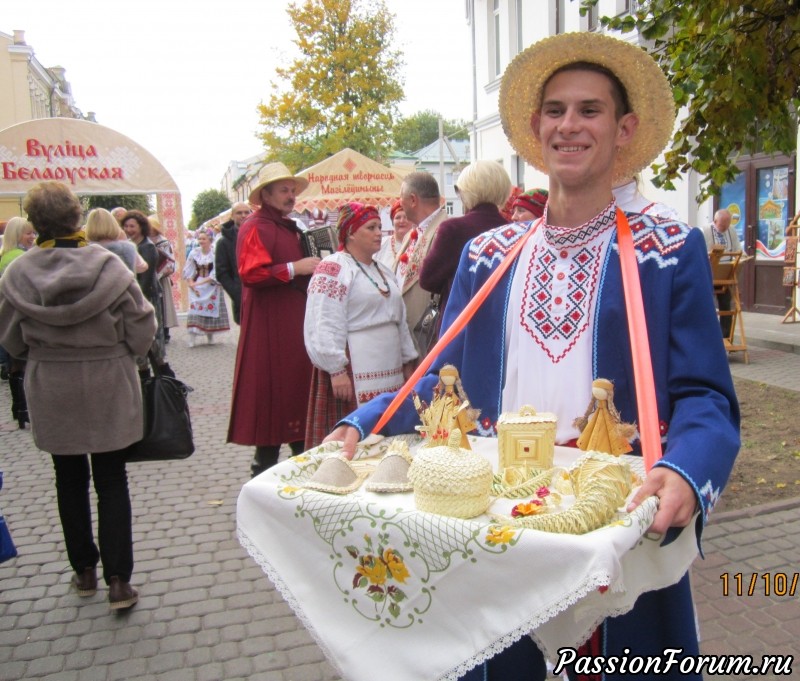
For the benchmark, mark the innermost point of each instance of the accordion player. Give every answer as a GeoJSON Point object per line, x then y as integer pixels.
{"type": "Point", "coordinates": [319, 242]}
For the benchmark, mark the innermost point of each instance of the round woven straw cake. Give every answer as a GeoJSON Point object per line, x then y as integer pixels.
{"type": "Point", "coordinates": [451, 481]}
{"type": "Point", "coordinates": [648, 89]}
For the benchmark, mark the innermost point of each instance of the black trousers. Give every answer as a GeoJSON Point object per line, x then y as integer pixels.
{"type": "Point", "coordinates": [114, 522]}
{"type": "Point", "coordinates": [725, 304]}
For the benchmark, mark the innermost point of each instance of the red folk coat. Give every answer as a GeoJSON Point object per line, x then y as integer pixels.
{"type": "Point", "coordinates": [273, 372]}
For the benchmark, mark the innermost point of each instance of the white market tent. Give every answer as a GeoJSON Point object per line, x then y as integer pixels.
{"type": "Point", "coordinates": [348, 176]}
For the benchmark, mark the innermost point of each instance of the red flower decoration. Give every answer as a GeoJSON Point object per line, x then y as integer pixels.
{"type": "Point", "coordinates": [404, 258]}
{"type": "Point", "coordinates": [543, 492]}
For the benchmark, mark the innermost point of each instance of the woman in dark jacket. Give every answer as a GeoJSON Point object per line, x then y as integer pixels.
{"type": "Point", "coordinates": [137, 227]}
{"type": "Point", "coordinates": [73, 310]}
{"type": "Point", "coordinates": [483, 187]}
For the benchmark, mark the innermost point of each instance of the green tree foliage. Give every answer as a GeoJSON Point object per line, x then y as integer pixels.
{"type": "Point", "coordinates": [343, 89]}
{"type": "Point", "coordinates": [734, 68]}
{"type": "Point", "coordinates": [418, 131]}
{"type": "Point", "coordinates": [208, 204]}
{"type": "Point", "coordinates": [129, 201]}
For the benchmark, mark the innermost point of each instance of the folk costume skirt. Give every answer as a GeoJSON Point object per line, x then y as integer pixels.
{"type": "Point", "coordinates": [207, 310]}
{"type": "Point", "coordinates": [375, 367]}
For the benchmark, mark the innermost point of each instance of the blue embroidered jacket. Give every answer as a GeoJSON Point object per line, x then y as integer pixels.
{"type": "Point", "coordinates": [697, 406]}
{"type": "Point", "coordinates": [698, 411]}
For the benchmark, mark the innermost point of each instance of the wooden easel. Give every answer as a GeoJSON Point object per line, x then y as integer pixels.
{"type": "Point", "coordinates": [791, 269]}
{"type": "Point", "coordinates": [725, 273]}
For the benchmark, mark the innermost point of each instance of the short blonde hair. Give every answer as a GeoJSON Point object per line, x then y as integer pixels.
{"type": "Point", "coordinates": [155, 223]}
{"type": "Point", "coordinates": [101, 225]}
{"type": "Point", "coordinates": [13, 234]}
{"type": "Point", "coordinates": [483, 182]}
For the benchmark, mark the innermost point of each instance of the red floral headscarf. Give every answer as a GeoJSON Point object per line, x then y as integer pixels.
{"type": "Point", "coordinates": [533, 201]}
{"type": "Point", "coordinates": [353, 216]}
{"type": "Point", "coordinates": [396, 206]}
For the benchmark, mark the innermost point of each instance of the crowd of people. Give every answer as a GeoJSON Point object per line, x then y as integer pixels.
{"type": "Point", "coordinates": [325, 343]}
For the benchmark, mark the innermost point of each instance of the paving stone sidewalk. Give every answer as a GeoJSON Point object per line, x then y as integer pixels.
{"type": "Point", "coordinates": [208, 613]}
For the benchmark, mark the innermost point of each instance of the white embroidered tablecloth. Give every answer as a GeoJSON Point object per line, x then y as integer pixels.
{"type": "Point", "coordinates": [389, 592]}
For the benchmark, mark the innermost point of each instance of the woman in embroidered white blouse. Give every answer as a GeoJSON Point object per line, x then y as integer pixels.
{"type": "Point", "coordinates": [207, 311]}
{"type": "Point", "coordinates": [355, 325]}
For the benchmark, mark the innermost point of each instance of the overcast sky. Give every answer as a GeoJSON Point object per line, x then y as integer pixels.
{"type": "Point", "coordinates": [183, 79]}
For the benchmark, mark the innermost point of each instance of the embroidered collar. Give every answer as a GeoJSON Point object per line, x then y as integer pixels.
{"type": "Point", "coordinates": [427, 221]}
{"type": "Point", "coordinates": [560, 237]}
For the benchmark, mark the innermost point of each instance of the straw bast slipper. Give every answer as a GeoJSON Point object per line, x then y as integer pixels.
{"type": "Point", "coordinates": [391, 475]}
{"type": "Point", "coordinates": [335, 475]}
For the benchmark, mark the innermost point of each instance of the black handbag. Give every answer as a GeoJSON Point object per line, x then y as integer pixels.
{"type": "Point", "coordinates": [167, 424]}
{"type": "Point", "coordinates": [426, 330]}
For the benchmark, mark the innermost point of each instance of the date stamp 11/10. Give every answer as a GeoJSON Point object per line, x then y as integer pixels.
{"type": "Point", "coordinates": [766, 583]}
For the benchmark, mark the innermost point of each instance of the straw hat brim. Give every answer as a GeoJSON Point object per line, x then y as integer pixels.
{"type": "Point", "coordinates": [301, 185]}
{"type": "Point", "coordinates": [649, 95]}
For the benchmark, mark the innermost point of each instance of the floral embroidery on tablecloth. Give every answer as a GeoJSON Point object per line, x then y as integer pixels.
{"type": "Point", "coordinates": [381, 561]}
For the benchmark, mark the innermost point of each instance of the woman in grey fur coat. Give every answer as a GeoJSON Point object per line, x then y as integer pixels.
{"type": "Point", "coordinates": [76, 314]}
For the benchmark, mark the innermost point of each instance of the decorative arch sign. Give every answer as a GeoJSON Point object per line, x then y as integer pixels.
{"type": "Point", "coordinates": [89, 158]}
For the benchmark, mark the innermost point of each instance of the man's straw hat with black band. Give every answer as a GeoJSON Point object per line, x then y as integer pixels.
{"type": "Point", "coordinates": [272, 172]}
{"type": "Point", "coordinates": [648, 90]}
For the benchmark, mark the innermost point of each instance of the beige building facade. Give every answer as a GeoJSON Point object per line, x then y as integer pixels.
{"type": "Point", "coordinates": [29, 91]}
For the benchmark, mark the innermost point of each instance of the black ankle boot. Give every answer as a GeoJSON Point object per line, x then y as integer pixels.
{"type": "Point", "coordinates": [297, 447]}
{"type": "Point", "coordinates": [19, 405]}
{"type": "Point", "coordinates": [265, 457]}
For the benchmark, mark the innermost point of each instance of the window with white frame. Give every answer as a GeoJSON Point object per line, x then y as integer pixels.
{"type": "Point", "coordinates": [625, 7]}
{"type": "Point", "coordinates": [518, 23]}
{"type": "Point", "coordinates": [590, 19]}
{"type": "Point", "coordinates": [495, 66]}
{"type": "Point", "coordinates": [519, 167]}
{"type": "Point", "coordinates": [560, 15]}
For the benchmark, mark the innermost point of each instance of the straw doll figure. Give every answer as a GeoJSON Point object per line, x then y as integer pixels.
{"type": "Point", "coordinates": [601, 427]}
{"type": "Point", "coordinates": [449, 409]}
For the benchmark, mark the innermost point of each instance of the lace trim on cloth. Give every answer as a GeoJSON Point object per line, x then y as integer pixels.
{"type": "Point", "coordinates": [440, 543]}
{"type": "Point", "coordinates": [286, 594]}
{"type": "Point", "coordinates": [528, 627]}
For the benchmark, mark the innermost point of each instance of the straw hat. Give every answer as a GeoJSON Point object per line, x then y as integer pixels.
{"type": "Point", "coordinates": [272, 172]}
{"type": "Point", "coordinates": [648, 90]}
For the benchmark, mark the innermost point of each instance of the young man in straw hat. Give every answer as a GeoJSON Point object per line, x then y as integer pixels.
{"type": "Point", "coordinates": [273, 372]}
{"type": "Point", "coordinates": [592, 111]}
